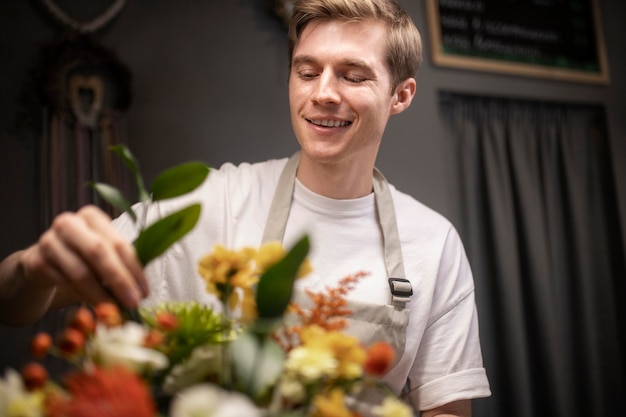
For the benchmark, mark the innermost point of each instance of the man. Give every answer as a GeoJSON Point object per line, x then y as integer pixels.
{"type": "Point", "coordinates": [352, 66]}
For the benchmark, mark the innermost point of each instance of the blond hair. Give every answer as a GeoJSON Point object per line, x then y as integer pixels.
{"type": "Point", "coordinates": [404, 43]}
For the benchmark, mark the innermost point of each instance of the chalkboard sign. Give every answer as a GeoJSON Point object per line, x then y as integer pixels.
{"type": "Point", "coordinates": [559, 39]}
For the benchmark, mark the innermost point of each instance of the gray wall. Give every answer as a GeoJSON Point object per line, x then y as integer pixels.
{"type": "Point", "coordinates": [210, 83]}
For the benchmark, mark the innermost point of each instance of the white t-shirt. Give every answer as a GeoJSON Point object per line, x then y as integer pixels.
{"type": "Point", "coordinates": [441, 358]}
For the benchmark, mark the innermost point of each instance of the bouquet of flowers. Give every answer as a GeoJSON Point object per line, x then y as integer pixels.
{"type": "Point", "coordinates": [184, 359]}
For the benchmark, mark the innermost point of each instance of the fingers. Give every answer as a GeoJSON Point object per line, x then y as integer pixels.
{"type": "Point", "coordinates": [67, 269]}
{"type": "Point", "coordinates": [101, 223]}
{"type": "Point", "coordinates": [83, 252]}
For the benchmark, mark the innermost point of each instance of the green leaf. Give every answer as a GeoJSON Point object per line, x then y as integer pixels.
{"type": "Point", "coordinates": [158, 237]}
{"type": "Point", "coordinates": [276, 284]}
{"type": "Point", "coordinates": [114, 197]}
{"type": "Point", "coordinates": [179, 180]}
{"type": "Point", "coordinates": [257, 363]}
{"type": "Point", "coordinates": [129, 160]}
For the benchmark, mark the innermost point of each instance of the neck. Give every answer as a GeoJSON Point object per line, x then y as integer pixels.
{"type": "Point", "coordinates": [336, 180]}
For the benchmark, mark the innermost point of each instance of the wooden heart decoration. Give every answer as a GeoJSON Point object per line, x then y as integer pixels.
{"type": "Point", "coordinates": [85, 96]}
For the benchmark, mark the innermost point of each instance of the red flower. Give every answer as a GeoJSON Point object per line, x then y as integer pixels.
{"type": "Point", "coordinates": [114, 392]}
{"type": "Point", "coordinates": [380, 357]}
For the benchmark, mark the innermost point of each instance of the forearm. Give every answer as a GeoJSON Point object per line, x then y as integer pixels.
{"type": "Point", "coordinates": [462, 408]}
{"type": "Point", "coordinates": [23, 300]}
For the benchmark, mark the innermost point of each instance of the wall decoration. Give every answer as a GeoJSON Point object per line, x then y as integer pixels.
{"type": "Point", "coordinates": [557, 39]}
{"type": "Point", "coordinates": [84, 91]}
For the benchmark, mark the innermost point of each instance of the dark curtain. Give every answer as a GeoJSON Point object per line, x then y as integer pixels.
{"type": "Point", "coordinates": [538, 214]}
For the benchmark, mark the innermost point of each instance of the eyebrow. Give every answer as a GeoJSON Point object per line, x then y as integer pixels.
{"type": "Point", "coordinates": [351, 62]}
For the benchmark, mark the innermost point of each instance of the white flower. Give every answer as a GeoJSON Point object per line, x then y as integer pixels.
{"type": "Point", "coordinates": [311, 364]}
{"type": "Point", "coordinates": [207, 400]}
{"type": "Point", "coordinates": [16, 401]}
{"type": "Point", "coordinates": [292, 390]}
{"type": "Point", "coordinates": [204, 361]}
{"type": "Point", "coordinates": [123, 345]}
{"type": "Point", "coordinates": [392, 407]}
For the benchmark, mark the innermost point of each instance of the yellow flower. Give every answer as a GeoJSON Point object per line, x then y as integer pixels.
{"type": "Point", "coordinates": [267, 255]}
{"type": "Point", "coordinates": [272, 252]}
{"type": "Point", "coordinates": [347, 350]}
{"type": "Point", "coordinates": [331, 405]}
{"type": "Point", "coordinates": [392, 407]}
{"type": "Point", "coordinates": [311, 365]}
{"type": "Point", "coordinates": [223, 270]}
{"type": "Point", "coordinates": [248, 306]}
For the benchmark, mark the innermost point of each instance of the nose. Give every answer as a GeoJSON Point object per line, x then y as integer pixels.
{"type": "Point", "coordinates": [327, 89]}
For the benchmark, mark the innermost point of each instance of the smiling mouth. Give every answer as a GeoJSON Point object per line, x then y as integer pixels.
{"type": "Point", "coordinates": [330, 123]}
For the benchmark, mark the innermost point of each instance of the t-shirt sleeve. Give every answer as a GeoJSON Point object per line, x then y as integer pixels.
{"type": "Point", "coordinates": [448, 365]}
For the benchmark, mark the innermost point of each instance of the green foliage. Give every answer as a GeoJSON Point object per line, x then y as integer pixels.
{"type": "Point", "coordinates": [114, 197]}
{"type": "Point", "coordinates": [257, 363]}
{"type": "Point", "coordinates": [158, 237]}
{"type": "Point", "coordinates": [178, 180]}
{"type": "Point", "coordinates": [133, 166]}
{"type": "Point", "coordinates": [155, 239]}
{"type": "Point", "coordinates": [197, 325]}
{"type": "Point", "coordinates": [275, 286]}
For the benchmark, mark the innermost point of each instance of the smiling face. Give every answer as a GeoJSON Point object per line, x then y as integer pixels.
{"type": "Point", "coordinates": [340, 92]}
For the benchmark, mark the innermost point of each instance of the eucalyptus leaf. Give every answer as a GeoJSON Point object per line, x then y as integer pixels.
{"type": "Point", "coordinates": [275, 286]}
{"type": "Point", "coordinates": [244, 350]}
{"type": "Point", "coordinates": [114, 197]}
{"type": "Point", "coordinates": [158, 237]}
{"type": "Point", "coordinates": [270, 364]}
{"type": "Point", "coordinates": [133, 166]}
{"type": "Point", "coordinates": [178, 180]}
{"type": "Point", "coordinates": [257, 363]}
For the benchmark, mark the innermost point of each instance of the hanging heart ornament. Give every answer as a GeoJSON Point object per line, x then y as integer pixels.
{"type": "Point", "coordinates": [85, 93]}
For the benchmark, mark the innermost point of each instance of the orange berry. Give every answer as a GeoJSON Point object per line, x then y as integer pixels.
{"type": "Point", "coordinates": [153, 339]}
{"type": "Point", "coordinates": [83, 321]}
{"type": "Point", "coordinates": [380, 357]}
{"type": "Point", "coordinates": [166, 320]}
{"type": "Point", "coordinates": [71, 342]}
{"type": "Point", "coordinates": [40, 345]}
{"type": "Point", "coordinates": [34, 376]}
{"type": "Point", "coordinates": [109, 314]}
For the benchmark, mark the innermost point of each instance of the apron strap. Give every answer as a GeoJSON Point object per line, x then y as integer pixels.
{"type": "Point", "coordinates": [400, 287]}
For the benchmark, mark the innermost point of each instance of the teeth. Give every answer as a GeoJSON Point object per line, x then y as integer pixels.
{"type": "Point", "coordinates": [330, 123]}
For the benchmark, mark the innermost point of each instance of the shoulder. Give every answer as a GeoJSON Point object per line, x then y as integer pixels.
{"type": "Point", "coordinates": [268, 167]}
{"type": "Point", "coordinates": [416, 217]}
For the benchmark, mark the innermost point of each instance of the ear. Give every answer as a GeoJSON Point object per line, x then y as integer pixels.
{"type": "Point", "coordinates": [403, 95]}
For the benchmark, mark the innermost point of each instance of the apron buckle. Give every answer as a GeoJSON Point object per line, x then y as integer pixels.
{"type": "Point", "coordinates": [401, 291]}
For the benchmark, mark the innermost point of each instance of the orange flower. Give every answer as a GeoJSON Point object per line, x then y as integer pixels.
{"type": "Point", "coordinates": [153, 339]}
{"type": "Point", "coordinates": [109, 314]}
{"type": "Point", "coordinates": [329, 311]}
{"type": "Point", "coordinates": [115, 392]}
{"type": "Point", "coordinates": [166, 320]}
{"type": "Point", "coordinates": [380, 357]}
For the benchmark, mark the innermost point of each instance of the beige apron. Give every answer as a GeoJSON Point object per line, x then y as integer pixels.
{"type": "Point", "coordinates": [369, 322]}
